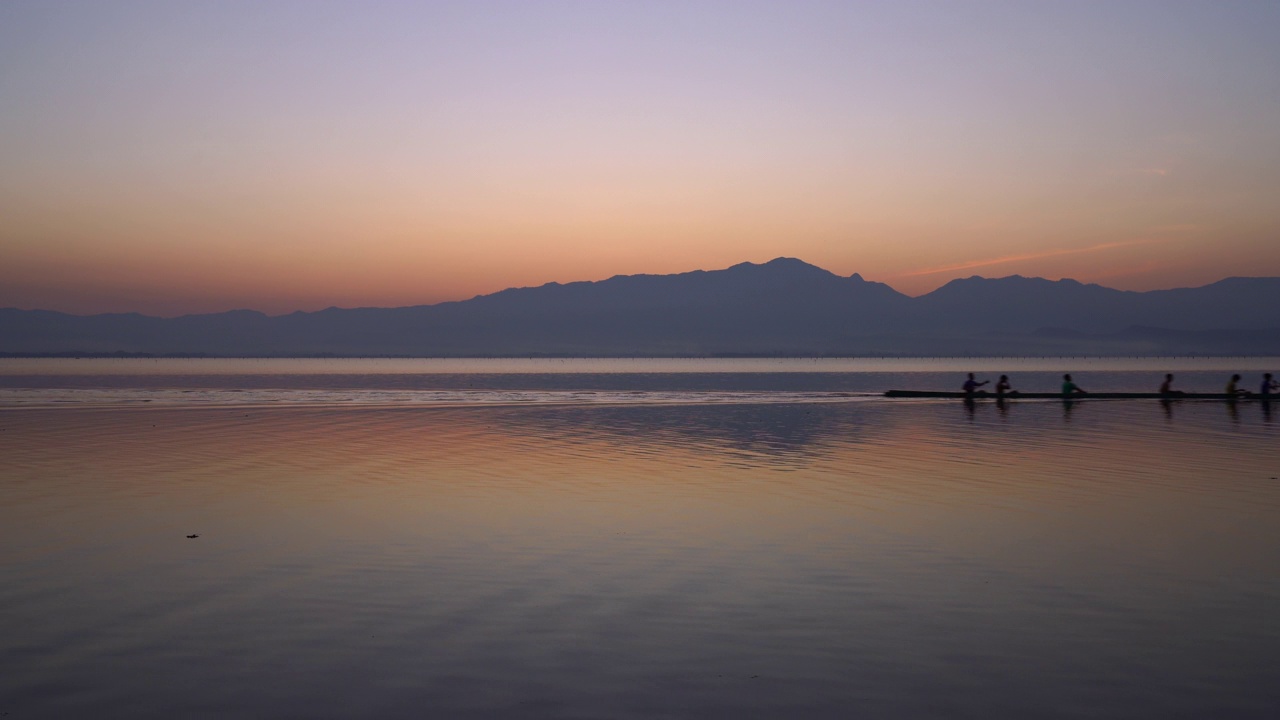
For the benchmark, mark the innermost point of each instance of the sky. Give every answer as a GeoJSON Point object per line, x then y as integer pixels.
{"type": "Point", "coordinates": [178, 157]}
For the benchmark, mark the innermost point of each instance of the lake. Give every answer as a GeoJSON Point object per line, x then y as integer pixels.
{"type": "Point", "coordinates": [633, 538]}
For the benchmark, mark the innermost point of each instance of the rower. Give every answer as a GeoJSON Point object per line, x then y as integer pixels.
{"type": "Point", "coordinates": [1234, 391]}
{"type": "Point", "coordinates": [1069, 387]}
{"type": "Point", "coordinates": [1166, 387]}
{"type": "Point", "coordinates": [1004, 388]}
{"type": "Point", "coordinates": [971, 385]}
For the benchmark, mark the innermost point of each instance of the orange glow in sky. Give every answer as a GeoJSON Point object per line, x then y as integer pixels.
{"type": "Point", "coordinates": [197, 157]}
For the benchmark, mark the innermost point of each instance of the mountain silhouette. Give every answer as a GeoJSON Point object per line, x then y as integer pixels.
{"type": "Point", "coordinates": [784, 307]}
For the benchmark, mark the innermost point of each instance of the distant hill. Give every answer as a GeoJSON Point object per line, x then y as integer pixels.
{"type": "Point", "coordinates": [784, 307]}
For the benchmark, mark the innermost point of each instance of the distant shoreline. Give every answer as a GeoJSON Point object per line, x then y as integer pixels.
{"type": "Point", "coordinates": [551, 356]}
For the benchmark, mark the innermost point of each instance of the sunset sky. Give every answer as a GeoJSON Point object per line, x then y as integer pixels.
{"type": "Point", "coordinates": [172, 157]}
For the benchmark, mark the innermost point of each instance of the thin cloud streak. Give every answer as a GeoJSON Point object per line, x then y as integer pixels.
{"type": "Point", "coordinates": [1028, 256]}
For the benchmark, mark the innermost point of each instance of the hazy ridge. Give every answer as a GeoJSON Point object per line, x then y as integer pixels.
{"type": "Point", "coordinates": [781, 308]}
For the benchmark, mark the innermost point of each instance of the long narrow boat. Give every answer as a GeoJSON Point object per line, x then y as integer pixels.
{"type": "Point", "coordinates": [1060, 396]}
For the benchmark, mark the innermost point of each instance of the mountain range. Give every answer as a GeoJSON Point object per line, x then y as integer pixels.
{"type": "Point", "coordinates": [784, 307]}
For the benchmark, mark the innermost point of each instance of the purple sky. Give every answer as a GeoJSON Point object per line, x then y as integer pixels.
{"type": "Point", "coordinates": [172, 157]}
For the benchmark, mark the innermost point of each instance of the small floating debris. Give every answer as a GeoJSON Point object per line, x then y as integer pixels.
{"type": "Point", "coordinates": [192, 537]}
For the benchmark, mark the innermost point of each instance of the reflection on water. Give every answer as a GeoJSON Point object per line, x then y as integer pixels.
{"type": "Point", "coordinates": [886, 559]}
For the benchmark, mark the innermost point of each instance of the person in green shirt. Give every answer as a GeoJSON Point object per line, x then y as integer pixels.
{"type": "Point", "coordinates": [1069, 388]}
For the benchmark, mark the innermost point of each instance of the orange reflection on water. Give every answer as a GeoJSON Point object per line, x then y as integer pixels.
{"type": "Point", "coordinates": [805, 477]}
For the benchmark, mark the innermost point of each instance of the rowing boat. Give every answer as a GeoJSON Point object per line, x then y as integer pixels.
{"type": "Point", "coordinates": [1060, 396]}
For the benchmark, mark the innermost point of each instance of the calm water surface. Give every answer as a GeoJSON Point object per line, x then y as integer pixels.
{"type": "Point", "coordinates": [522, 542]}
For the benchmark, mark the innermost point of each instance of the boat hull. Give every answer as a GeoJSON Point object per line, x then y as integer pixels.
{"type": "Point", "coordinates": [1060, 396]}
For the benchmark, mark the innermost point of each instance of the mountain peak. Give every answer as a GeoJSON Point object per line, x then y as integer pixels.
{"type": "Point", "coordinates": [782, 266]}
{"type": "Point", "coordinates": [788, 262]}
